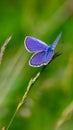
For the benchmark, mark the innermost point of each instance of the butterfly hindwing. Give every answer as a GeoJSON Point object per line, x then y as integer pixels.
{"type": "Point", "coordinates": [41, 58]}
{"type": "Point", "coordinates": [49, 56]}
{"type": "Point", "coordinates": [37, 59]}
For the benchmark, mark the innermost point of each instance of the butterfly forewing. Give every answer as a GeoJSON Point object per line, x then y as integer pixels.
{"type": "Point", "coordinates": [35, 45]}
{"type": "Point", "coordinates": [56, 41]}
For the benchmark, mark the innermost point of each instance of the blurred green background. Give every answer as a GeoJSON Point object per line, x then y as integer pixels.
{"type": "Point", "coordinates": [53, 91]}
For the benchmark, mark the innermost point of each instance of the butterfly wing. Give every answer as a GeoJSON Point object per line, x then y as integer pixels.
{"type": "Point", "coordinates": [56, 41]}
{"type": "Point", "coordinates": [49, 56]}
{"type": "Point", "coordinates": [41, 58]}
{"type": "Point", "coordinates": [34, 45]}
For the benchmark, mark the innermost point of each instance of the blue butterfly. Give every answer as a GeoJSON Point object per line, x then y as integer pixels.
{"type": "Point", "coordinates": [43, 53]}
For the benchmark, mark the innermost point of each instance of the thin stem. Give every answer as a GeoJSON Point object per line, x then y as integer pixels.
{"type": "Point", "coordinates": [31, 82]}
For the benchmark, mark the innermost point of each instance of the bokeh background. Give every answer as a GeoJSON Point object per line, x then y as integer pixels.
{"type": "Point", "coordinates": [49, 104]}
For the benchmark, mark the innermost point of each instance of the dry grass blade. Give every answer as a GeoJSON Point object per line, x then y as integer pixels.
{"type": "Point", "coordinates": [4, 47]}
{"type": "Point", "coordinates": [3, 128]}
{"type": "Point", "coordinates": [66, 115]}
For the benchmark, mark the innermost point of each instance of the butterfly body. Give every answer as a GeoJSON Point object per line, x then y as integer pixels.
{"type": "Point", "coordinates": [42, 52]}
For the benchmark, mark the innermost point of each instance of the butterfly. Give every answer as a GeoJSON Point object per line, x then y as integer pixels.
{"type": "Point", "coordinates": [43, 53]}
